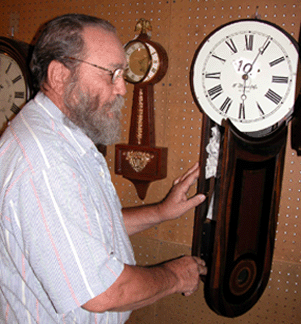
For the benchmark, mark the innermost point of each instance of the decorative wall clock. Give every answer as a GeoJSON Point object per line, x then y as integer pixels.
{"type": "Point", "coordinates": [140, 160]}
{"type": "Point", "coordinates": [246, 71]}
{"type": "Point", "coordinates": [243, 79]}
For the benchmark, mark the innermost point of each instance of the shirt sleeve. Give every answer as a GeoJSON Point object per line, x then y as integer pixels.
{"type": "Point", "coordinates": [68, 237]}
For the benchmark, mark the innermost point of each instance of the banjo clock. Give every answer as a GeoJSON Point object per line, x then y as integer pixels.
{"type": "Point", "coordinates": [140, 160]}
{"type": "Point", "coordinates": [15, 81]}
{"type": "Point", "coordinates": [243, 79]}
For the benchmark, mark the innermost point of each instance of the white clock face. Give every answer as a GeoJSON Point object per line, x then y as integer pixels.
{"type": "Point", "coordinates": [246, 71]}
{"type": "Point", "coordinates": [13, 89]}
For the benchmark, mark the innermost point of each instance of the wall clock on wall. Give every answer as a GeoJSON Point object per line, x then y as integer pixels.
{"type": "Point", "coordinates": [15, 81]}
{"type": "Point", "coordinates": [246, 71]}
{"type": "Point", "coordinates": [243, 79]}
{"type": "Point", "coordinates": [140, 160]}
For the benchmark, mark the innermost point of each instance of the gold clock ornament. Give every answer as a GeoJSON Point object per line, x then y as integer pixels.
{"type": "Point", "coordinates": [140, 160]}
{"type": "Point", "coordinates": [15, 80]}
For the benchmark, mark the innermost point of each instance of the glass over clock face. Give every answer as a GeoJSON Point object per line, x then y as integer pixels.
{"type": "Point", "coordinates": [139, 61]}
{"type": "Point", "coordinates": [13, 89]}
{"type": "Point", "coordinates": [246, 71]}
{"type": "Point", "coordinates": [155, 63]}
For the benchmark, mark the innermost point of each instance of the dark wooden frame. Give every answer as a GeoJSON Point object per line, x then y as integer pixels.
{"type": "Point", "coordinates": [238, 243]}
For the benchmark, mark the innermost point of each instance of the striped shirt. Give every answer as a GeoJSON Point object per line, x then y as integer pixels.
{"type": "Point", "coordinates": [62, 235]}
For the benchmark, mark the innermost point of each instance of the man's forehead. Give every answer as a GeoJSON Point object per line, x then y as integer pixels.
{"type": "Point", "coordinates": [103, 44]}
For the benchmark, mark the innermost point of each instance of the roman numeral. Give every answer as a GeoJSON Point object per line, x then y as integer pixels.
{"type": "Point", "coordinates": [214, 75]}
{"type": "Point", "coordinates": [8, 68]}
{"type": "Point", "coordinates": [19, 95]}
{"type": "Point", "coordinates": [232, 45]}
{"type": "Point", "coordinates": [15, 109]}
{"type": "Point", "coordinates": [249, 42]}
{"type": "Point", "coordinates": [242, 114]}
{"type": "Point", "coordinates": [215, 91]}
{"type": "Point", "coordinates": [273, 96]}
{"type": "Point", "coordinates": [260, 109]}
{"type": "Point", "coordinates": [279, 79]}
{"type": "Point", "coordinates": [219, 58]}
{"type": "Point", "coordinates": [19, 77]}
{"type": "Point", "coordinates": [226, 105]}
{"type": "Point", "coordinates": [277, 61]}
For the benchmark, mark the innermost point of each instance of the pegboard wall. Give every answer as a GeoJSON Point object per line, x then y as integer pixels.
{"type": "Point", "coordinates": [180, 26]}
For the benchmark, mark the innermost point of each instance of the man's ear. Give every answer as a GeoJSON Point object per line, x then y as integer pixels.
{"type": "Point", "coordinates": [57, 75]}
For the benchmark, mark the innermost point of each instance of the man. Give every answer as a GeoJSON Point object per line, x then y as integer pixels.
{"type": "Point", "coordinates": [65, 252]}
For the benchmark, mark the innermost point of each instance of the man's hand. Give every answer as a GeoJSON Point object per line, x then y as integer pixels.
{"type": "Point", "coordinates": [187, 271]}
{"type": "Point", "coordinates": [174, 205]}
{"type": "Point", "coordinates": [176, 202]}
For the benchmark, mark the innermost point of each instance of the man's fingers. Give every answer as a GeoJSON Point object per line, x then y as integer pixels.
{"type": "Point", "coordinates": [193, 169]}
{"type": "Point", "coordinates": [201, 266]}
{"type": "Point", "coordinates": [195, 201]}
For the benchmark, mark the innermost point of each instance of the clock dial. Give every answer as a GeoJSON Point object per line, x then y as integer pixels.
{"type": "Point", "coordinates": [139, 61]}
{"type": "Point", "coordinates": [246, 71]}
{"type": "Point", "coordinates": [13, 90]}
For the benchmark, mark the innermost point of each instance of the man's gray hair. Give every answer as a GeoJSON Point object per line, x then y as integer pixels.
{"type": "Point", "coordinates": [62, 38]}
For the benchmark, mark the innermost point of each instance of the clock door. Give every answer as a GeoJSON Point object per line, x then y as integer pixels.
{"type": "Point", "coordinates": [238, 242]}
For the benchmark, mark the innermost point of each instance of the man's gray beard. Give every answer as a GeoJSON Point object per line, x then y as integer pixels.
{"type": "Point", "coordinates": [85, 112]}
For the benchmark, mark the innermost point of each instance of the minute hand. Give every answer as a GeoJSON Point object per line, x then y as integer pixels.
{"type": "Point", "coordinates": [261, 50]}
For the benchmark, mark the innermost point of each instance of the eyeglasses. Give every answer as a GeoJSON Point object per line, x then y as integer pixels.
{"type": "Point", "coordinates": [115, 75]}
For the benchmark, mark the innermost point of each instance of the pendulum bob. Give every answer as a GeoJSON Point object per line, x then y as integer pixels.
{"type": "Point", "coordinates": [238, 242]}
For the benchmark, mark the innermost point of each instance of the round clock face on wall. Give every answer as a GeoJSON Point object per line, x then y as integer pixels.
{"type": "Point", "coordinates": [246, 71]}
{"type": "Point", "coordinates": [14, 81]}
{"type": "Point", "coordinates": [139, 61]}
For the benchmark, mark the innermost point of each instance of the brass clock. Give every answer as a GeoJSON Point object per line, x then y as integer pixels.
{"type": "Point", "coordinates": [147, 60]}
{"type": "Point", "coordinates": [15, 81]}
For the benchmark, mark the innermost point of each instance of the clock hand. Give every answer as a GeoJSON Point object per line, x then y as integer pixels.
{"type": "Point", "coordinates": [243, 98]}
{"type": "Point", "coordinates": [249, 66]}
{"type": "Point", "coordinates": [245, 76]}
{"type": "Point", "coordinates": [260, 52]}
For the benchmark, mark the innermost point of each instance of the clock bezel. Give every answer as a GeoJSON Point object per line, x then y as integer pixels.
{"type": "Point", "coordinates": [128, 45]}
{"type": "Point", "coordinates": [156, 74]}
{"type": "Point", "coordinates": [265, 125]}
